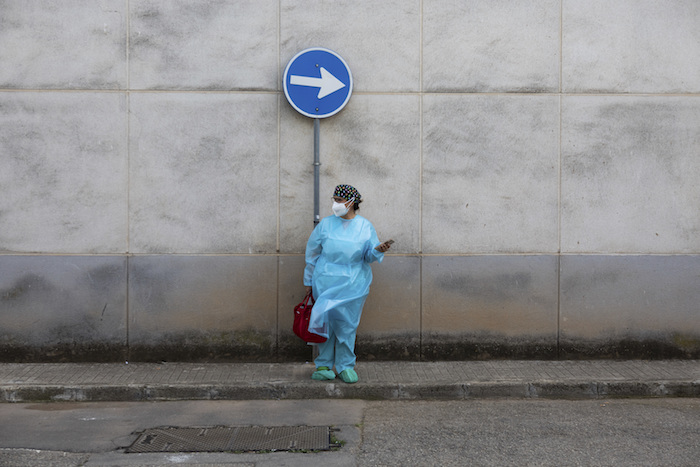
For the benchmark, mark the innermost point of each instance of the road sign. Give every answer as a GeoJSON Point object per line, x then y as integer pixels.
{"type": "Point", "coordinates": [317, 82]}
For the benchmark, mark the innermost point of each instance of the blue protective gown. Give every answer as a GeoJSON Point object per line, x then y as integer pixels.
{"type": "Point", "coordinates": [338, 257]}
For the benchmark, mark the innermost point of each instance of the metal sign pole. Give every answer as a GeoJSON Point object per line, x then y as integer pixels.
{"type": "Point", "coordinates": [317, 217]}
{"type": "Point", "coordinates": [317, 164]}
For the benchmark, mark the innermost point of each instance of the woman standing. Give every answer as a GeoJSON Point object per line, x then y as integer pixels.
{"type": "Point", "coordinates": [338, 272]}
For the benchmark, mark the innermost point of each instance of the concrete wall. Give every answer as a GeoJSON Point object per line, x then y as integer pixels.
{"type": "Point", "coordinates": [536, 163]}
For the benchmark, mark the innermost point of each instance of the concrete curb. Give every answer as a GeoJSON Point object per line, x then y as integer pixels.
{"type": "Point", "coordinates": [378, 381]}
{"type": "Point", "coordinates": [339, 390]}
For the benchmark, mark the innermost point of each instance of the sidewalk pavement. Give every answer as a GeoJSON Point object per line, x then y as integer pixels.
{"type": "Point", "coordinates": [589, 379]}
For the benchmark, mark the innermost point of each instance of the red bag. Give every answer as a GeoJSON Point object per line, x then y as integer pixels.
{"type": "Point", "coordinates": [302, 313]}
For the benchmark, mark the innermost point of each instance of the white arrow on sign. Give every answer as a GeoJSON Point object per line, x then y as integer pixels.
{"type": "Point", "coordinates": [327, 83]}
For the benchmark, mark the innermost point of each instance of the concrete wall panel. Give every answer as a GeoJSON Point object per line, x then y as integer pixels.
{"type": "Point", "coordinates": [202, 307]}
{"type": "Point", "coordinates": [72, 44]}
{"type": "Point", "coordinates": [489, 306]}
{"type": "Point", "coordinates": [631, 46]}
{"type": "Point", "coordinates": [216, 45]}
{"type": "Point", "coordinates": [391, 321]}
{"type": "Point", "coordinates": [380, 41]}
{"type": "Point", "coordinates": [63, 174]}
{"type": "Point", "coordinates": [630, 167]}
{"type": "Point", "coordinates": [62, 308]}
{"type": "Point", "coordinates": [630, 306]}
{"type": "Point", "coordinates": [202, 166]}
{"type": "Point", "coordinates": [491, 46]}
{"type": "Point", "coordinates": [374, 145]}
{"type": "Point", "coordinates": [291, 291]}
{"type": "Point", "coordinates": [490, 174]}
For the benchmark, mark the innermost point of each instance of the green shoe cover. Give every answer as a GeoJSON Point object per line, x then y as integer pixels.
{"type": "Point", "coordinates": [349, 376]}
{"type": "Point", "coordinates": [322, 373]}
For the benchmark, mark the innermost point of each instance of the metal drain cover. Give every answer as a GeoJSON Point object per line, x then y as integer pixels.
{"type": "Point", "coordinates": [223, 439]}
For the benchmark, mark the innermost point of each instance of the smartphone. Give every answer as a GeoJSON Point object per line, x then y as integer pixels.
{"type": "Point", "coordinates": [389, 242]}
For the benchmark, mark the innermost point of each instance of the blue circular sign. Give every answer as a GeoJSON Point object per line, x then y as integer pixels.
{"type": "Point", "coordinates": [317, 82]}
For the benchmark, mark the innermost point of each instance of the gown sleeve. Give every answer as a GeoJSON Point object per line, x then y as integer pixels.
{"type": "Point", "coordinates": [370, 254]}
{"type": "Point", "coordinates": [313, 252]}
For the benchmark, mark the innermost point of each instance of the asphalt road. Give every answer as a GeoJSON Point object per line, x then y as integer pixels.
{"type": "Point", "coordinates": [620, 432]}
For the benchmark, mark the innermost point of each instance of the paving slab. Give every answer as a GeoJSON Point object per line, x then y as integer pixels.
{"type": "Point", "coordinates": [378, 381]}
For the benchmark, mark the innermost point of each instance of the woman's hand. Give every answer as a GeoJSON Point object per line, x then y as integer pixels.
{"type": "Point", "coordinates": [308, 289]}
{"type": "Point", "coordinates": [384, 247]}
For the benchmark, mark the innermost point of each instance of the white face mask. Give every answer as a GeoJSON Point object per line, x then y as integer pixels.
{"type": "Point", "coordinates": [339, 209]}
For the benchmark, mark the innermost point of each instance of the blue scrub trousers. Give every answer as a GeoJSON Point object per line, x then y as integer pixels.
{"type": "Point", "coordinates": [333, 351]}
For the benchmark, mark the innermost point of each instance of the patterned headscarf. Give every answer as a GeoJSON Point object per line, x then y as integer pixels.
{"type": "Point", "coordinates": [348, 192]}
